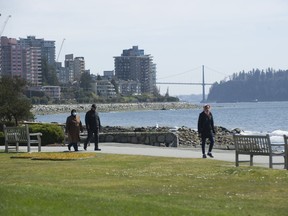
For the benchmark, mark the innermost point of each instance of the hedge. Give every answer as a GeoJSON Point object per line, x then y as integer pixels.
{"type": "Point", "coordinates": [51, 133]}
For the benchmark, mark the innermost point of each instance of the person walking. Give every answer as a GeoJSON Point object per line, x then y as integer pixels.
{"type": "Point", "coordinates": [73, 128]}
{"type": "Point", "coordinates": [93, 125]}
{"type": "Point", "coordinates": [206, 129]}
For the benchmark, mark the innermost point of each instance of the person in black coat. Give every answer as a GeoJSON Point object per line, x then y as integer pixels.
{"type": "Point", "coordinates": [206, 129]}
{"type": "Point", "coordinates": [93, 125]}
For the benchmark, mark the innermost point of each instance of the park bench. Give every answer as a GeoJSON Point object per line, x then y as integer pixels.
{"type": "Point", "coordinates": [14, 136]}
{"type": "Point", "coordinates": [259, 145]}
{"type": "Point", "coordinates": [286, 149]}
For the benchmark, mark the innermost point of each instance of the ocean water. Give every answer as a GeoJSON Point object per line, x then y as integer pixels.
{"type": "Point", "coordinates": [252, 118]}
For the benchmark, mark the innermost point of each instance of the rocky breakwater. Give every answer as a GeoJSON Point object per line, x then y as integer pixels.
{"type": "Point", "coordinates": [187, 136]}
{"type": "Point", "coordinates": [223, 137]}
{"type": "Point", "coordinates": [66, 108]}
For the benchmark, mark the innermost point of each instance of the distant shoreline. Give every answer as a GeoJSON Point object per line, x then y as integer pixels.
{"type": "Point", "coordinates": [66, 108]}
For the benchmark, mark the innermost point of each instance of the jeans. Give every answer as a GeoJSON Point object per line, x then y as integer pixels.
{"type": "Point", "coordinates": [211, 139]}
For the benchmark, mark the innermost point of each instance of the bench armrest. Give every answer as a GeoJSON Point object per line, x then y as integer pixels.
{"type": "Point", "coordinates": [277, 144]}
{"type": "Point", "coordinates": [35, 134]}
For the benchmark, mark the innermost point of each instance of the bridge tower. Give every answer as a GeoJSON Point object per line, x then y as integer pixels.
{"type": "Point", "coordinates": [203, 85]}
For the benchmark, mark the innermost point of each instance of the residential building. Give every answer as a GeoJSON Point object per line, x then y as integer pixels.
{"type": "Point", "coordinates": [32, 66]}
{"type": "Point", "coordinates": [11, 59]}
{"type": "Point", "coordinates": [79, 67]}
{"type": "Point", "coordinates": [108, 75]}
{"type": "Point", "coordinates": [134, 65]}
{"type": "Point", "coordinates": [47, 47]}
{"type": "Point", "coordinates": [35, 52]}
{"type": "Point", "coordinates": [104, 88]}
{"type": "Point", "coordinates": [53, 92]}
{"type": "Point", "coordinates": [128, 87]}
{"type": "Point", "coordinates": [69, 65]}
{"type": "Point", "coordinates": [24, 57]}
{"type": "Point", "coordinates": [75, 67]}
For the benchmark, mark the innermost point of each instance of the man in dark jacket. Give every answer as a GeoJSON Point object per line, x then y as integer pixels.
{"type": "Point", "coordinates": [206, 129]}
{"type": "Point", "coordinates": [93, 125]}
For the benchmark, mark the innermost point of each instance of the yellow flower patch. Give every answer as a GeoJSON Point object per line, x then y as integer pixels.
{"type": "Point", "coordinates": [54, 156]}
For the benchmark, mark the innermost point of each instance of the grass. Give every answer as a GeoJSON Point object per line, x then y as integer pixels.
{"type": "Point", "coordinates": [139, 185]}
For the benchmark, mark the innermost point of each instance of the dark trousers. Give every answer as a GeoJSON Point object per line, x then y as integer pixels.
{"type": "Point", "coordinates": [75, 146]}
{"type": "Point", "coordinates": [90, 136]}
{"type": "Point", "coordinates": [211, 139]}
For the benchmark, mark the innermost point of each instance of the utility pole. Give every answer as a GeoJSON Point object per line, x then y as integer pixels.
{"type": "Point", "coordinates": [203, 85]}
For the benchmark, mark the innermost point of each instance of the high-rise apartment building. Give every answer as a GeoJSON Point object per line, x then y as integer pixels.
{"type": "Point", "coordinates": [134, 65]}
{"type": "Point", "coordinates": [24, 58]}
{"type": "Point", "coordinates": [33, 66]}
{"type": "Point", "coordinates": [75, 67]}
{"type": "Point", "coordinates": [11, 58]}
{"type": "Point", "coordinates": [35, 52]}
{"type": "Point", "coordinates": [69, 67]}
{"type": "Point", "coordinates": [79, 67]}
{"type": "Point", "coordinates": [47, 47]}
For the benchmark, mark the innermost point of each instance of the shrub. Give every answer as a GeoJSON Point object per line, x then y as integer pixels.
{"type": "Point", "coordinates": [51, 133]}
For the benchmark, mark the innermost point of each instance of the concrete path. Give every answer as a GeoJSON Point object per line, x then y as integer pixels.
{"type": "Point", "coordinates": [138, 149]}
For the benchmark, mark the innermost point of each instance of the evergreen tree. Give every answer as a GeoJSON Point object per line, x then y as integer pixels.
{"type": "Point", "coordinates": [256, 85]}
{"type": "Point", "coordinates": [14, 105]}
{"type": "Point", "coordinates": [85, 81]}
{"type": "Point", "coordinates": [49, 76]}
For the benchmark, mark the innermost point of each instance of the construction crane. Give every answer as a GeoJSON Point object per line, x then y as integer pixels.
{"type": "Point", "coordinates": [60, 49]}
{"type": "Point", "coordinates": [2, 30]}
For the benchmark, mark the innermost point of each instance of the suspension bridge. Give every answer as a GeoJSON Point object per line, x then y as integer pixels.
{"type": "Point", "coordinates": [203, 84]}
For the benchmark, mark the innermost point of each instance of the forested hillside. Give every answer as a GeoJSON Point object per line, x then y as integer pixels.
{"type": "Point", "coordinates": [255, 85]}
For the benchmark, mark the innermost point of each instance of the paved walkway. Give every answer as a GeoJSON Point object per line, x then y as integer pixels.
{"type": "Point", "coordinates": [139, 149]}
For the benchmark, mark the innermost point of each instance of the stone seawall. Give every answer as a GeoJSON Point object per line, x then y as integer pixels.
{"type": "Point", "coordinates": [164, 139]}
{"type": "Point", "coordinates": [65, 108]}
{"type": "Point", "coordinates": [162, 136]}
{"type": "Point", "coordinates": [183, 137]}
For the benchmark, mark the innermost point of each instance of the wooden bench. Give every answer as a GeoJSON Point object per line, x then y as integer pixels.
{"type": "Point", "coordinates": [286, 150]}
{"type": "Point", "coordinates": [259, 145]}
{"type": "Point", "coordinates": [14, 136]}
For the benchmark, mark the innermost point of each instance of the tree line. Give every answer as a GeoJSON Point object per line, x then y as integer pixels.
{"type": "Point", "coordinates": [255, 85]}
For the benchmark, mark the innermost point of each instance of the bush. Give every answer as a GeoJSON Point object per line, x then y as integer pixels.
{"type": "Point", "coordinates": [51, 133]}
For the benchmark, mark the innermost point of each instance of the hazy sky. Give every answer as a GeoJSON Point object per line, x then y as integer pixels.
{"type": "Point", "coordinates": [226, 36]}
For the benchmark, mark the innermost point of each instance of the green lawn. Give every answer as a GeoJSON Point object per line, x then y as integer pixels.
{"type": "Point", "coordinates": [139, 185]}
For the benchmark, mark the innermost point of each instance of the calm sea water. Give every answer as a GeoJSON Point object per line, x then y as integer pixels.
{"type": "Point", "coordinates": [261, 117]}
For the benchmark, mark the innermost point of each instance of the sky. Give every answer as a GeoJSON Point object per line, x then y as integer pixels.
{"type": "Point", "coordinates": [224, 36]}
